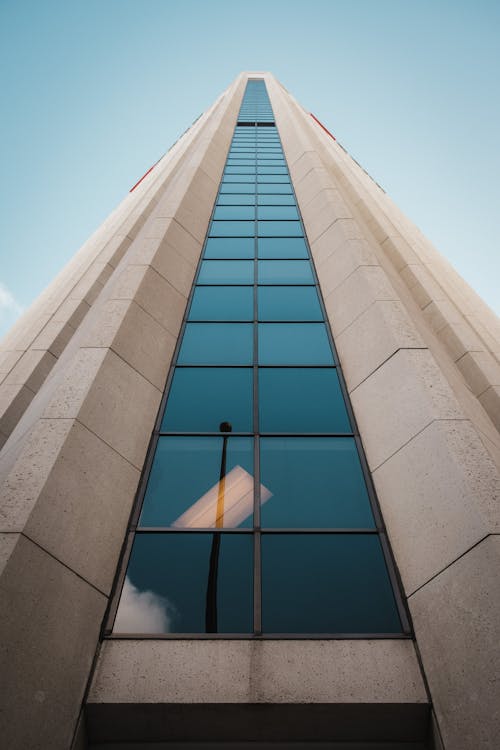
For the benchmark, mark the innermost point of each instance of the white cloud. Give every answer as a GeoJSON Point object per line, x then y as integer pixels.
{"type": "Point", "coordinates": [143, 611]}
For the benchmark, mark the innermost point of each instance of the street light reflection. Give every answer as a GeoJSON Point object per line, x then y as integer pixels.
{"type": "Point", "coordinates": [207, 512]}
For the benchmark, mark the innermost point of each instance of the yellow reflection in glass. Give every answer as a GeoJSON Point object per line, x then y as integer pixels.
{"type": "Point", "coordinates": [226, 504]}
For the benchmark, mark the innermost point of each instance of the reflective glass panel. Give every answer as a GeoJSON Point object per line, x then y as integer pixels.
{"type": "Point", "coordinates": [234, 212]}
{"type": "Point", "coordinates": [288, 303]}
{"type": "Point", "coordinates": [217, 344]}
{"type": "Point", "coordinates": [280, 229]}
{"type": "Point", "coordinates": [294, 344]}
{"type": "Point", "coordinates": [315, 483]}
{"type": "Point", "coordinates": [282, 247]}
{"type": "Point", "coordinates": [239, 170]}
{"type": "Point", "coordinates": [272, 169]}
{"type": "Point", "coordinates": [293, 399]}
{"type": "Point", "coordinates": [236, 200]}
{"type": "Point", "coordinates": [222, 303]}
{"type": "Point", "coordinates": [326, 583]}
{"type": "Point", "coordinates": [184, 488]}
{"type": "Point", "coordinates": [229, 247]}
{"type": "Point", "coordinates": [232, 229]}
{"type": "Point", "coordinates": [201, 398]}
{"type": "Point", "coordinates": [270, 188]}
{"type": "Point", "coordinates": [277, 212]}
{"type": "Point", "coordinates": [285, 272]}
{"type": "Point", "coordinates": [226, 272]}
{"type": "Point", "coordinates": [234, 187]}
{"type": "Point", "coordinates": [165, 590]}
{"type": "Point", "coordinates": [276, 200]}
{"type": "Point", "coordinates": [273, 178]}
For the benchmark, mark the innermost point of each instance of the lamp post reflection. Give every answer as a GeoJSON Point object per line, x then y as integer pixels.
{"type": "Point", "coordinates": [211, 602]}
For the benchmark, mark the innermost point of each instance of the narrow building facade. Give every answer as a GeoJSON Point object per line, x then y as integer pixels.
{"type": "Point", "coordinates": [250, 464]}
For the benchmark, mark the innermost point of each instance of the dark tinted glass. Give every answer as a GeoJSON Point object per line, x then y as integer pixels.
{"type": "Point", "coordinates": [226, 272]}
{"type": "Point", "coordinates": [282, 247]}
{"type": "Point", "coordinates": [165, 589]}
{"type": "Point", "coordinates": [276, 200]}
{"type": "Point", "coordinates": [288, 303]}
{"type": "Point", "coordinates": [293, 399]}
{"type": "Point", "coordinates": [217, 344]}
{"type": "Point", "coordinates": [315, 483]}
{"type": "Point", "coordinates": [294, 344]}
{"type": "Point", "coordinates": [277, 212]}
{"type": "Point", "coordinates": [202, 397]}
{"type": "Point", "coordinates": [233, 187]}
{"type": "Point", "coordinates": [232, 200]}
{"type": "Point", "coordinates": [240, 170]}
{"type": "Point", "coordinates": [230, 247]}
{"type": "Point", "coordinates": [234, 212]}
{"type": "Point", "coordinates": [184, 490]}
{"type": "Point", "coordinates": [222, 303]}
{"type": "Point", "coordinates": [326, 583]}
{"type": "Point", "coordinates": [268, 187]}
{"type": "Point", "coordinates": [285, 272]}
{"type": "Point", "coordinates": [232, 229]}
{"type": "Point", "coordinates": [279, 229]}
{"type": "Point", "coordinates": [276, 178]}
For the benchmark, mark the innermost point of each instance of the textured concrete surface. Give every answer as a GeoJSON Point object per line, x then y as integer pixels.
{"type": "Point", "coordinates": [457, 616]}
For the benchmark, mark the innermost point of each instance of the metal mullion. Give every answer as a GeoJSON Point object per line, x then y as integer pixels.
{"type": "Point", "coordinates": [257, 595]}
{"type": "Point", "coordinates": [247, 636]}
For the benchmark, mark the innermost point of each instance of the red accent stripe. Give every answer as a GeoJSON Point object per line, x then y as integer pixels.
{"type": "Point", "coordinates": [144, 175]}
{"type": "Point", "coordinates": [322, 126]}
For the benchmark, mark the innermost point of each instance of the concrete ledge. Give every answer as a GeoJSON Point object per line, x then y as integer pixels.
{"type": "Point", "coordinates": [258, 722]}
{"type": "Point", "coordinates": [222, 690]}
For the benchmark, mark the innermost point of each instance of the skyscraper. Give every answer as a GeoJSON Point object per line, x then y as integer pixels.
{"type": "Point", "coordinates": [250, 472]}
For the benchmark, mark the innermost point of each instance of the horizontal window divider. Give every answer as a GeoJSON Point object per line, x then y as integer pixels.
{"type": "Point", "coordinates": [260, 636]}
{"type": "Point", "coordinates": [261, 434]}
{"type": "Point", "coordinates": [297, 366]}
{"type": "Point", "coordinates": [264, 530]}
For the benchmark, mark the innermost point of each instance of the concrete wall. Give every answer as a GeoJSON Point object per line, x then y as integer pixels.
{"type": "Point", "coordinates": [419, 352]}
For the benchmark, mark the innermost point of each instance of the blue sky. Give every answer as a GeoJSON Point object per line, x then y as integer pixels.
{"type": "Point", "coordinates": [94, 91]}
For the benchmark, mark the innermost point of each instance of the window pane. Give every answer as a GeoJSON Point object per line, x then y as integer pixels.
{"type": "Point", "coordinates": [202, 397]}
{"type": "Point", "coordinates": [234, 212]}
{"type": "Point", "coordinates": [314, 483]}
{"type": "Point", "coordinates": [288, 303]}
{"type": "Point", "coordinates": [234, 187]}
{"type": "Point", "coordinates": [277, 212]}
{"type": "Point", "coordinates": [294, 344]}
{"type": "Point", "coordinates": [281, 178]}
{"type": "Point", "coordinates": [280, 229]}
{"type": "Point", "coordinates": [226, 272]}
{"type": "Point", "coordinates": [229, 247]}
{"type": "Point", "coordinates": [285, 272]}
{"type": "Point", "coordinates": [184, 488]}
{"type": "Point", "coordinates": [217, 344]}
{"type": "Point", "coordinates": [239, 170]}
{"type": "Point", "coordinates": [301, 400]}
{"type": "Point", "coordinates": [222, 303]}
{"type": "Point", "coordinates": [272, 169]}
{"type": "Point", "coordinates": [235, 179]}
{"type": "Point", "coordinates": [235, 200]}
{"type": "Point", "coordinates": [165, 589]}
{"type": "Point", "coordinates": [276, 200]}
{"type": "Point", "coordinates": [282, 247]}
{"type": "Point", "coordinates": [232, 229]}
{"type": "Point", "coordinates": [324, 583]}
{"type": "Point", "coordinates": [270, 188]}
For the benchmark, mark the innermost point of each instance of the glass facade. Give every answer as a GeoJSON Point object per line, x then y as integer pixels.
{"type": "Point", "coordinates": [255, 517]}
